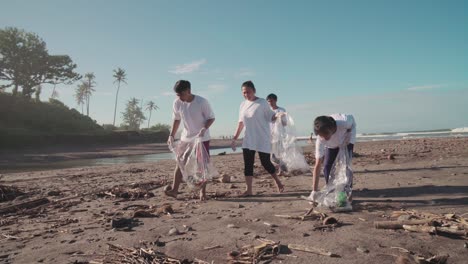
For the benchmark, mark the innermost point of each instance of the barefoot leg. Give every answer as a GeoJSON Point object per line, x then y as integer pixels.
{"type": "Point", "coordinates": [203, 192]}
{"type": "Point", "coordinates": [175, 184]}
{"type": "Point", "coordinates": [278, 183]}
{"type": "Point", "coordinates": [248, 186]}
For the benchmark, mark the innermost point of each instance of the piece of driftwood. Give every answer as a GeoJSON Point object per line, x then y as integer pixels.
{"type": "Point", "coordinates": [300, 217]}
{"type": "Point", "coordinates": [434, 230]}
{"type": "Point", "coordinates": [24, 205]}
{"type": "Point", "coordinates": [313, 250]}
{"type": "Point", "coordinates": [212, 247]}
{"type": "Point", "coordinates": [399, 224]}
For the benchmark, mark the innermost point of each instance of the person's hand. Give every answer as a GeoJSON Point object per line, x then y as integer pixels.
{"type": "Point", "coordinates": [170, 141]}
{"type": "Point", "coordinates": [280, 114]}
{"type": "Point", "coordinates": [313, 196]}
{"type": "Point", "coordinates": [202, 132]}
{"type": "Point", "coordinates": [233, 145]}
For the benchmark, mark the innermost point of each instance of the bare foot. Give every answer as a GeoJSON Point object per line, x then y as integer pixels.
{"type": "Point", "coordinates": [280, 187]}
{"type": "Point", "coordinates": [202, 197]}
{"type": "Point", "coordinates": [171, 194]}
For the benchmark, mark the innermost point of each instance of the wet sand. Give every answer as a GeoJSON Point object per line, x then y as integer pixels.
{"type": "Point", "coordinates": [427, 175]}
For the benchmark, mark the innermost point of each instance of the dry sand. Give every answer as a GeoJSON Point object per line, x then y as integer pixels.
{"type": "Point", "coordinates": [427, 175]}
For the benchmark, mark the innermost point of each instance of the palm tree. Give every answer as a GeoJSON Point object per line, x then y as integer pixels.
{"type": "Point", "coordinates": [89, 85]}
{"type": "Point", "coordinates": [38, 93]}
{"type": "Point", "coordinates": [80, 95]}
{"type": "Point", "coordinates": [120, 76]}
{"type": "Point", "coordinates": [54, 95]}
{"type": "Point", "coordinates": [133, 115]}
{"type": "Point", "coordinates": [150, 106]}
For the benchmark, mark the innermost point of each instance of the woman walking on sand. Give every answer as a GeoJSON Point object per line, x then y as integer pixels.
{"type": "Point", "coordinates": [255, 115]}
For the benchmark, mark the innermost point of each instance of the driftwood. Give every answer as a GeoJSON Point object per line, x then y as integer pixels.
{"type": "Point", "coordinates": [24, 205]}
{"type": "Point", "coordinates": [434, 230]}
{"type": "Point", "coordinates": [399, 224]}
{"type": "Point", "coordinates": [263, 253]}
{"type": "Point", "coordinates": [317, 251]}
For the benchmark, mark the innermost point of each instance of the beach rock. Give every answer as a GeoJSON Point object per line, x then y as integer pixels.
{"type": "Point", "coordinates": [54, 193]}
{"type": "Point", "coordinates": [173, 232]}
{"type": "Point", "coordinates": [232, 226]}
{"type": "Point", "coordinates": [224, 178]}
{"type": "Point", "coordinates": [404, 217]}
{"type": "Point", "coordinates": [362, 250]}
{"type": "Point", "coordinates": [391, 157]}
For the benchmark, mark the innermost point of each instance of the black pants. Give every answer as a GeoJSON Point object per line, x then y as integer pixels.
{"type": "Point", "coordinates": [330, 157]}
{"type": "Point", "coordinates": [249, 158]}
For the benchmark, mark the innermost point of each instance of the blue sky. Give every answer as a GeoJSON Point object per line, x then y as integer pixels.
{"type": "Point", "coordinates": [395, 65]}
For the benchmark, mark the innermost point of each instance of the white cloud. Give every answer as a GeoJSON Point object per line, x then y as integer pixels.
{"type": "Point", "coordinates": [217, 88]}
{"type": "Point", "coordinates": [167, 94]}
{"type": "Point", "coordinates": [188, 67]}
{"type": "Point", "coordinates": [245, 72]}
{"type": "Point", "coordinates": [424, 87]}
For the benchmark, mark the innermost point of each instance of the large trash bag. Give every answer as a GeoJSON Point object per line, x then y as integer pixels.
{"type": "Point", "coordinates": [284, 151]}
{"type": "Point", "coordinates": [194, 162]}
{"type": "Point", "coordinates": [337, 192]}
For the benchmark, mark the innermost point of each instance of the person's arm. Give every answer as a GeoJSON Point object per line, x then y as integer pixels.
{"type": "Point", "coordinates": [208, 123]}
{"type": "Point", "coordinates": [319, 150]}
{"type": "Point", "coordinates": [175, 127]}
{"type": "Point", "coordinates": [353, 131]}
{"type": "Point", "coordinates": [316, 174]}
{"type": "Point", "coordinates": [240, 127]}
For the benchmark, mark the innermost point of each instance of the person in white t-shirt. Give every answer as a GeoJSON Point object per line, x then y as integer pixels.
{"type": "Point", "coordinates": [272, 100]}
{"type": "Point", "coordinates": [255, 115]}
{"type": "Point", "coordinates": [332, 132]}
{"type": "Point", "coordinates": [196, 115]}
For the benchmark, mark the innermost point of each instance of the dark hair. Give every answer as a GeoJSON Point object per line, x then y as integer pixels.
{"type": "Point", "coordinates": [250, 85]}
{"type": "Point", "coordinates": [181, 85]}
{"type": "Point", "coordinates": [323, 124]}
{"type": "Point", "coordinates": [272, 97]}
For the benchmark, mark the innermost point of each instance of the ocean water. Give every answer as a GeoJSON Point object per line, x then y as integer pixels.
{"type": "Point", "coordinates": [302, 141]}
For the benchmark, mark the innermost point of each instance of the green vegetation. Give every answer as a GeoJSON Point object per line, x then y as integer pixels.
{"type": "Point", "coordinates": [25, 66]}
{"type": "Point", "coordinates": [25, 63]}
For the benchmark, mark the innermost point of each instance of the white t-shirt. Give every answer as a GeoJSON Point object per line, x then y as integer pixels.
{"type": "Point", "coordinates": [345, 130]}
{"type": "Point", "coordinates": [283, 118]}
{"type": "Point", "coordinates": [256, 117]}
{"type": "Point", "coordinates": [194, 116]}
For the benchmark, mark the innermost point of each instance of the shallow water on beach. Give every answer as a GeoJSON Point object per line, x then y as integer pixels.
{"type": "Point", "coordinates": [25, 167]}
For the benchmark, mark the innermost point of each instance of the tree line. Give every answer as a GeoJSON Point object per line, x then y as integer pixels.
{"type": "Point", "coordinates": [26, 65]}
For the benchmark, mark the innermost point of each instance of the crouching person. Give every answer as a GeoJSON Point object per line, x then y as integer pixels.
{"type": "Point", "coordinates": [332, 132]}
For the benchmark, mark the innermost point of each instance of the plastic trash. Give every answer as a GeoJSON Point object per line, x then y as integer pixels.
{"type": "Point", "coordinates": [194, 162]}
{"type": "Point", "coordinates": [336, 194]}
{"type": "Point", "coordinates": [284, 151]}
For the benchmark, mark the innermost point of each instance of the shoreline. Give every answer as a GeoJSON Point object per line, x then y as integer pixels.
{"type": "Point", "coordinates": [73, 157]}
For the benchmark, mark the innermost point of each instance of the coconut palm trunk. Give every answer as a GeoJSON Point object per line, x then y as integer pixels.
{"type": "Point", "coordinates": [116, 98]}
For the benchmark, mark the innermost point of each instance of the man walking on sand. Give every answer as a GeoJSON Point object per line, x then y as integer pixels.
{"type": "Point", "coordinates": [197, 116]}
{"type": "Point", "coordinates": [272, 100]}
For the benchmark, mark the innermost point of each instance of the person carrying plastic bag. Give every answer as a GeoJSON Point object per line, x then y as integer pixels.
{"type": "Point", "coordinates": [193, 161]}
{"type": "Point", "coordinates": [196, 115]}
{"type": "Point", "coordinates": [336, 136]}
{"type": "Point", "coordinates": [284, 151]}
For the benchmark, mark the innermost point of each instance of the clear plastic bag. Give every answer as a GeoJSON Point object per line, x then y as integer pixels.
{"type": "Point", "coordinates": [336, 194]}
{"type": "Point", "coordinates": [194, 162]}
{"type": "Point", "coordinates": [284, 151]}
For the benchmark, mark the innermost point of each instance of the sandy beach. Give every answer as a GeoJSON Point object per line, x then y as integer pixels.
{"type": "Point", "coordinates": [77, 208]}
